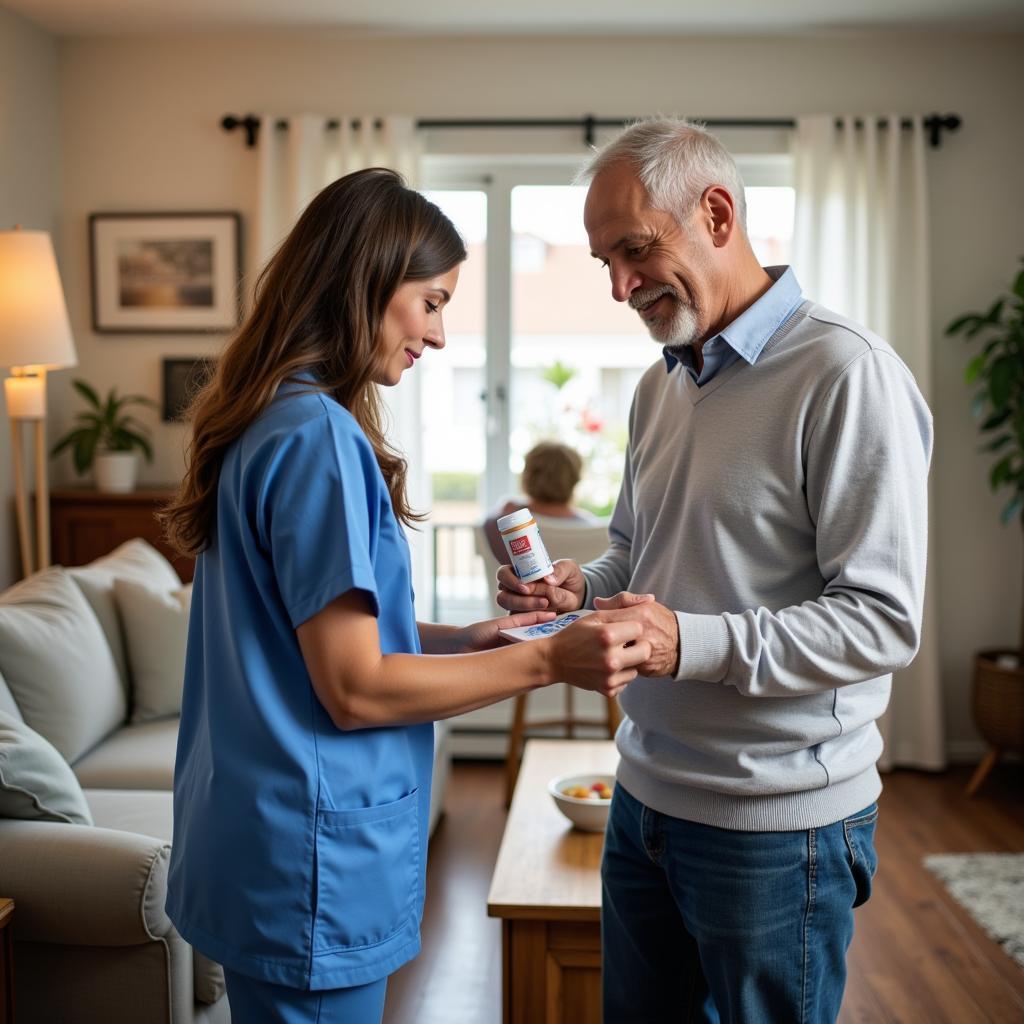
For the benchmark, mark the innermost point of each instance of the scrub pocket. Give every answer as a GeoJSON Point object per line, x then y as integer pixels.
{"type": "Point", "coordinates": [367, 874]}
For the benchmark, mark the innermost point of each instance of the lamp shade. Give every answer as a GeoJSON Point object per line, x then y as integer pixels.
{"type": "Point", "coordinates": [34, 328]}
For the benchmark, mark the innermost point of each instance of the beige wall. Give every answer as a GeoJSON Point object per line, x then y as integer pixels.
{"type": "Point", "coordinates": [29, 191]}
{"type": "Point", "coordinates": [139, 131]}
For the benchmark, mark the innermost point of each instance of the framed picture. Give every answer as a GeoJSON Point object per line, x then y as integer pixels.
{"type": "Point", "coordinates": [165, 272]}
{"type": "Point", "coordinates": [183, 379]}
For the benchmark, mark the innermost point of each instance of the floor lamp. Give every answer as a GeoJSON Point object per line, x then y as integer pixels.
{"type": "Point", "coordinates": [35, 336]}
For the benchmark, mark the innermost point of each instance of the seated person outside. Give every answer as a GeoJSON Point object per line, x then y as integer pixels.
{"type": "Point", "coordinates": [550, 475]}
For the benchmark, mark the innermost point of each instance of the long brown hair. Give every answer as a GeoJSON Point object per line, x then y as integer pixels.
{"type": "Point", "coordinates": [319, 307]}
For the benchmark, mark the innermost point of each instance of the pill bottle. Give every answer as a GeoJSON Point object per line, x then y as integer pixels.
{"type": "Point", "coordinates": [525, 549]}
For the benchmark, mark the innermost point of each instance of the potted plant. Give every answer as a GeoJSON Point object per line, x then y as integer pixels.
{"type": "Point", "coordinates": [105, 438]}
{"type": "Point", "coordinates": [998, 372]}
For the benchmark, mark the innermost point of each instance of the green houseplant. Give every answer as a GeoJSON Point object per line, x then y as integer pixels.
{"type": "Point", "coordinates": [997, 371]}
{"type": "Point", "coordinates": [105, 438]}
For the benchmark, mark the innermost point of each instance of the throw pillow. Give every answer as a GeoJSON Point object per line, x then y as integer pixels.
{"type": "Point", "coordinates": [35, 781]}
{"type": "Point", "coordinates": [155, 631]}
{"type": "Point", "coordinates": [133, 560]}
{"type": "Point", "coordinates": [57, 663]}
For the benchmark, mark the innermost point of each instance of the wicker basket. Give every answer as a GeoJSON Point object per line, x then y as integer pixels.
{"type": "Point", "coordinates": [998, 701]}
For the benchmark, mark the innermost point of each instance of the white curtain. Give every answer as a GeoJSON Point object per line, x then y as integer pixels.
{"type": "Point", "coordinates": [294, 164]}
{"type": "Point", "coordinates": [861, 248]}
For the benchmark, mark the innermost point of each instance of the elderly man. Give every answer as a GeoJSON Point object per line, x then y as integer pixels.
{"type": "Point", "coordinates": [771, 532]}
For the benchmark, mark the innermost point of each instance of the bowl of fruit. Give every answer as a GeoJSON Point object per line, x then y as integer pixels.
{"type": "Point", "coordinates": [583, 799]}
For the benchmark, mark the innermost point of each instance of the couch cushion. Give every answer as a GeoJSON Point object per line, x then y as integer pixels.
{"type": "Point", "coordinates": [35, 781]}
{"type": "Point", "coordinates": [133, 560]}
{"type": "Point", "coordinates": [135, 757]}
{"type": "Point", "coordinates": [151, 814]}
{"type": "Point", "coordinates": [146, 812]}
{"type": "Point", "coordinates": [155, 632]}
{"type": "Point", "coordinates": [7, 703]}
{"type": "Point", "coordinates": [57, 663]}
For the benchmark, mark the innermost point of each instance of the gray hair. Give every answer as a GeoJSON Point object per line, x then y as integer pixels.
{"type": "Point", "coordinates": [676, 161]}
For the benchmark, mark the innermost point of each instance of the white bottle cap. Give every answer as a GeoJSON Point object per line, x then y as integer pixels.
{"type": "Point", "coordinates": [514, 519]}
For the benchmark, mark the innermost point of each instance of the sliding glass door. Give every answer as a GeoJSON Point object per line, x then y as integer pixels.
{"type": "Point", "coordinates": [537, 349]}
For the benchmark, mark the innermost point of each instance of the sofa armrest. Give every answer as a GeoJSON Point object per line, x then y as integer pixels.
{"type": "Point", "coordinates": [77, 885]}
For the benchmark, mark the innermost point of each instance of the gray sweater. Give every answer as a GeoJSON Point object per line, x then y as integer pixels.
{"type": "Point", "coordinates": [781, 511]}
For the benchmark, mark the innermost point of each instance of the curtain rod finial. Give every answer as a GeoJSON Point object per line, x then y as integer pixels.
{"type": "Point", "coordinates": [250, 123]}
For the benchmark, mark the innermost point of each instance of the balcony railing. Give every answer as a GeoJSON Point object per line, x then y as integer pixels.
{"type": "Point", "coordinates": [462, 589]}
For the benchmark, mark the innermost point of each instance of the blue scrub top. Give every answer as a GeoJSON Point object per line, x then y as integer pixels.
{"type": "Point", "coordinates": [299, 850]}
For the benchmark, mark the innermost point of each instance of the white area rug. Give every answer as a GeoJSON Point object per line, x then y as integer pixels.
{"type": "Point", "coordinates": [990, 886]}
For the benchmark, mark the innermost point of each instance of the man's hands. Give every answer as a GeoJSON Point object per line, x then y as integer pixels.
{"type": "Point", "coordinates": [660, 629]}
{"type": "Point", "coordinates": [561, 591]}
{"type": "Point", "coordinates": [600, 652]}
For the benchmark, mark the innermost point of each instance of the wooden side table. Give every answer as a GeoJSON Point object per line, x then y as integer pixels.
{"type": "Point", "coordinates": [6, 962]}
{"type": "Point", "coordinates": [86, 524]}
{"type": "Point", "coordinates": [546, 889]}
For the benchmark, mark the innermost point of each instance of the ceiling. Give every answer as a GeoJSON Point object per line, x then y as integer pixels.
{"type": "Point", "coordinates": [522, 17]}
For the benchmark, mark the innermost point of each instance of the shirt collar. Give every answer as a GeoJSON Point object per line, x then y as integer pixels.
{"type": "Point", "coordinates": [748, 334]}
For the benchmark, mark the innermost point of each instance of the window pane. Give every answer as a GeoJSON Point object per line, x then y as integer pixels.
{"type": "Point", "coordinates": [770, 223]}
{"type": "Point", "coordinates": [453, 415]}
{"type": "Point", "coordinates": [576, 353]}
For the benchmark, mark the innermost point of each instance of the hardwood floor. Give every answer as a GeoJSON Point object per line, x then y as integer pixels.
{"type": "Point", "coordinates": [916, 958]}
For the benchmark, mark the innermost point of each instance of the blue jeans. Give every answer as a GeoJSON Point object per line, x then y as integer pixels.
{"type": "Point", "coordinates": [261, 1002]}
{"type": "Point", "coordinates": [711, 925]}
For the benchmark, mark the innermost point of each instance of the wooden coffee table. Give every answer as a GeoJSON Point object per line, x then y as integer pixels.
{"type": "Point", "coordinates": [546, 889]}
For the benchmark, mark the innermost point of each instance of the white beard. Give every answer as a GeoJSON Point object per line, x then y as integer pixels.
{"type": "Point", "coordinates": [679, 328]}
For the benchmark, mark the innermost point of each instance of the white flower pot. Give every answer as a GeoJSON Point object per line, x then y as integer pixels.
{"type": "Point", "coordinates": [114, 472]}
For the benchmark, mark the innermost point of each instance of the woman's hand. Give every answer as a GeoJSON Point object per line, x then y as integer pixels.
{"type": "Point", "coordinates": [561, 591]}
{"type": "Point", "coordinates": [482, 636]}
{"type": "Point", "coordinates": [600, 652]}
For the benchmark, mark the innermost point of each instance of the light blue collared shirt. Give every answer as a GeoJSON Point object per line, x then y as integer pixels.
{"type": "Point", "coordinates": [747, 335]}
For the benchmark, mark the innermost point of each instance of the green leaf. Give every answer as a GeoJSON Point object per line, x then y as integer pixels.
{"type": "Point", "coordinates": [1018, 285]}
{"type": "Point", "coordinates": [126, 440]}
{"type": "Point", "coordinates": [1000, 472]}
{"type": "Point", "coordinates": [85, 450]}
{"type": "Point", "coordinates": [974, 367]}
{"type": "Point", "coordinates": [999, 442]}
{"type": "Point", "coordinates": [88, 393]}
{"type": "Point", "coordinates": [997, 419]}
{"type": "Point", "coordinates": [1002, 376]}
{"type": "Point", "coordinates": [995, 312]}
{"type": "Point", "coordinates": [1011, 509]}
{"type": "Point", "coordinates": [963, 321]}
{"type": "Point", "coordinates": [978, 404]}
{"type": "Point", "coordinates": [558, 374]}
{"type": "Point", "coordinates": [137, 400]}
{"type": "Point", "coordinates": [66, 441]}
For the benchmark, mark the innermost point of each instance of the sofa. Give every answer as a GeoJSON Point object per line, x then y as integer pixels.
{"type": "Point", "coordinates": [91, 661]}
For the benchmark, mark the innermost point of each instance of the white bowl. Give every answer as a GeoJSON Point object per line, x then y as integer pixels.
{"type": "Point", "coordinates": [590, 815]}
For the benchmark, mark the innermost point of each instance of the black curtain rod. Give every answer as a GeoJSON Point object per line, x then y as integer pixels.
{"type": "Point", "coordinates": [935, 124]}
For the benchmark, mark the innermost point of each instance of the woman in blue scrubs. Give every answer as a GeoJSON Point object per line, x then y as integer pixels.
{"type": "Point", "coordinates": [302, 782]}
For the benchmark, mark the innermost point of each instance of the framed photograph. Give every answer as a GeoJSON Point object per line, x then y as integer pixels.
{"type": "Point", "coordinates": [167, 273]}
{"type": "Point", "coordinates": [183, 379]}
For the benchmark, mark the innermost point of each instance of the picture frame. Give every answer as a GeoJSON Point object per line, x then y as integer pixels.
{"type": "Point", "coordinates": [182, 379]}
{"type": "Point", "coordinates": [165, 273]}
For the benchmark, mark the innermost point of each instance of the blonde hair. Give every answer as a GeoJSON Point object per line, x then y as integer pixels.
{"type": "Point", "coordinates": [551, 472]}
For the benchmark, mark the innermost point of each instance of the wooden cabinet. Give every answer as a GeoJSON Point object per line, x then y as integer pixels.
{"type": "Point", "coordinates": [85, 524]}
{"type": "Point", "coordinates": [546, 889]}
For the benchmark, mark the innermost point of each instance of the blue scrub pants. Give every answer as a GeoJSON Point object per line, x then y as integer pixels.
{"type": "Point", "coordinates": [261, 1002]}
{"type": "Point", "coordinates": [708, 925]}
